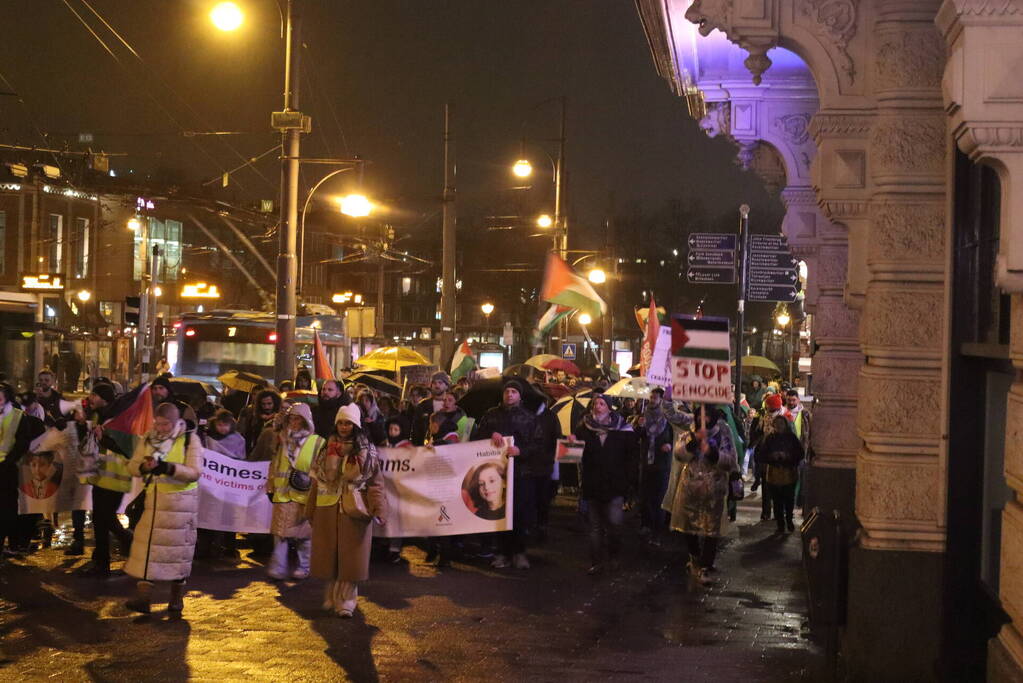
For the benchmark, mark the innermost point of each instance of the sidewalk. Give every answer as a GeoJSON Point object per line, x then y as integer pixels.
{"type": "Point", "coordinates": [649, 621]}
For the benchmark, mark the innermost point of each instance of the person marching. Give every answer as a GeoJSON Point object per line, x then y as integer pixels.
{"type": "Point", "coordinates": [288, 488]}
{"type": "Point", "coordinates": [347, 496]}
{"type": "Point", "coordinates": [17, 430]}
{"type": "Point", "coordinates": [170, 460]}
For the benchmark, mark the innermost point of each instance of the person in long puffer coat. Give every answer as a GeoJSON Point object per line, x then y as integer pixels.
{"type": "Point", "coordinates": [170, 461]}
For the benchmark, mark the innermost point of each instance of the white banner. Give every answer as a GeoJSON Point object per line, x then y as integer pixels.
{"type": "Point", "coordinates": [232, 495]}
{"type": "Point", "coordinates": [659, 372]}
{"type": "Point", "coordinates": [462, 488]}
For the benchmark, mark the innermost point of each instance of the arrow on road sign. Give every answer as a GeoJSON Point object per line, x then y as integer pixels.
{"type": "Point", "coordinates": [712, 240]}
{"type": "Point", "coordinates": [711, 276]}
{"type": "Point", "coordinates": [758, 292]}
{"type": "Point", "coordinates": [705, 257]}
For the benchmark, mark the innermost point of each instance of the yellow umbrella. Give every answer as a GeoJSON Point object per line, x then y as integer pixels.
{"type": "Point", "coordinates": [392, 358]}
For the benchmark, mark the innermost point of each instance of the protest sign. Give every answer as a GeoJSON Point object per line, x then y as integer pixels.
{"type": "Point", "coordinates": [659, 372]}
{"type": "Point", "coordinates": [232, 495]}
{"type": "Point", "coordinates": [47, 477]}
{"type": "Point", "coordinates": [701, 368]}
{"type": "Point", "coordinates": [461, 488]}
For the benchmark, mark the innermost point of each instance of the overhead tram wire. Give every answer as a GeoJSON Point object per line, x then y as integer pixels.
{"type": "Point", "coordinates": [166, 111]}
{"type": "Point", "coordinates": [174, 93]}
{"type": "Point", "coordinates": [31, 118]}
{"type": "Point", "coordinates": [317, 87]}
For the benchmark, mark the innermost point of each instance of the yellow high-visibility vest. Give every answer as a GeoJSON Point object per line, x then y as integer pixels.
{"type": "Point", "coordinates": [8, 430]}
{"type": "Point", "coordinates": [283, 493]}
{"type": "Point", "coordinates": [176, 456]}
{"type": "Point", "coordinates": [112, 473]}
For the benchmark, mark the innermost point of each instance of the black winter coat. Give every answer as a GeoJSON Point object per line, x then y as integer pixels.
{"type": "Point", "coordinates": [516, 422]}
{"type": "Point", "coordinates": [607, 468]}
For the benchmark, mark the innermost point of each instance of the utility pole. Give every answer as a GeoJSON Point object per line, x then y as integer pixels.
{"type": "Point", "coordinates": [447, 289]}
{"type": "Point", "coordinates": [149, 296]}
{"type": "Point", "coordinates": [560, 220]}
{"type": "Point", "coordinates": [291, 124]}
{"type": "Point", "coordinates": [743, 267]}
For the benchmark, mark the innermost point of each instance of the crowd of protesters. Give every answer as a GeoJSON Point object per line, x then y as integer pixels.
{"type": "Point", "coordinates": [680, 466]}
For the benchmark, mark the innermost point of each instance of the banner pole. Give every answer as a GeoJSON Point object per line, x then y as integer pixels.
{"type": "Point", "coordinates": [739, 331]}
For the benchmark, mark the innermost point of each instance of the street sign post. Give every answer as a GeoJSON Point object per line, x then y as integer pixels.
{"type": "Point", "coordinates": [711, 276]}
{"type": "Point", "coordinates": [758, 292]}
{"type": "Point", "coordinates": [568, 351]}
{"type": "Point", "coordinates": [716, 241]}
{"type": "Point", "coordinates": [711, 258]}
{"type": "Point", "coordinates": [773, 273]}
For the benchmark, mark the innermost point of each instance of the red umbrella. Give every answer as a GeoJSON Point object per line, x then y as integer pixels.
{"type": "Point", "coordinates": [567, 366]}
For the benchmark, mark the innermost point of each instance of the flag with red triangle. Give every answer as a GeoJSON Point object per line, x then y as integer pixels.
{"type": "Point", "coordinates": [562, 286]}
{"type": "Point", "coordinates": [132, 423]}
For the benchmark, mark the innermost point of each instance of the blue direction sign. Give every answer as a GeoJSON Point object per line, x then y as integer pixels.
{"type": "Point", "coordinates": [710, 257]}
{"type": "Point", "coordinates": [568, 350]}
{"type": "Point", "coordinates": [711, 276]}
{"type": "Point", "coordinates": [772, 259]}
{"type": "Point", "coordinates": [716, 241]}
{"type": "Point", "coordinates": [758, 292]}
{"type": "Point", "coordinates": [773, 276]}
{"type": "Point", "coordinates": [769, 243]}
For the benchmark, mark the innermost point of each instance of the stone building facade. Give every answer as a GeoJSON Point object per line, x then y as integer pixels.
{"type": "Point", "coordinates": [911, 101]}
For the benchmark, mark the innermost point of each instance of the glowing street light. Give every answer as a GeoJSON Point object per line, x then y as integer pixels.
{"type": "Point", "coordinates": [84, 295]}
{"type": "Point", "coordinates": [783, 318]}
{"type": "Point", "coordinates": [522, 168]}
{"type": "Point", "coordinates": [356, 206]}
{"type": "Point", "coordinates": [544, 221]}
{"type": "Point", "coordinates": [227, 16]}
{"type": "Point", "coordinates": [134, 224]}
{"type": "Point", "coordinates": [585, 319]}
{"type": "Point", "coordinates": [487, 309]}
{"type": "Point", "coordinates": [597, 276]}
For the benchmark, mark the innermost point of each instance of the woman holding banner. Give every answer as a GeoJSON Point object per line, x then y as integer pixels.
{"type": "Point", "coordinates": [170, 461]}
{"type": "Point", "coordinates": [347, 496]}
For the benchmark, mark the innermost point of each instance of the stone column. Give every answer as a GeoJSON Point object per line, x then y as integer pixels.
{"type": "Point", "coordinates": [895, 571]}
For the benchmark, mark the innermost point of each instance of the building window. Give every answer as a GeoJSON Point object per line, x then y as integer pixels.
{"type": "Point", "coordinates": [3, 241]}
{"type": "Point", "coordinates": [167, 236]}
{"type": "Point", "coordinates": [54, 245]}
{"type": "Point", "coordinates": [406, 285]}
{"type": "Point", "coordinates": [80, 248]}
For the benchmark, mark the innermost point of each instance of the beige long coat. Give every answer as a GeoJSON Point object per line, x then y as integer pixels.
{"type": "Point", "coordinates": [341, 545]}
{"type": "Point", "coordinates": [166, 533]}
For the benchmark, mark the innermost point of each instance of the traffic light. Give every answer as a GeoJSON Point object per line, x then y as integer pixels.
{"type": "Point", "coordinates": [131, 310]}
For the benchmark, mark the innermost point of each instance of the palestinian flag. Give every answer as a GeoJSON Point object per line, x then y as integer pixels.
{"type": "Point", "coordinates": [563, 287]}
{"type": "Point", "coordinates": [700, 337]}
{"type": "Point", "coordinates": [643, 314]}
{"type": "Point", "coordinates": [131, 424]}
{"type": "Point", "coordinates": [547, 322]}
{"type": "Point", "coordinates": [463, 362]}
{"type": "Point", "coordinates": [321, 368]}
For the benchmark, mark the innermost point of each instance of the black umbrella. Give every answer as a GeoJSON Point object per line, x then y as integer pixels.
{"type": "Point", "coordinates": [192, 390]}
{"type": "Point", "coordinates": [523, 371]}
{"type": "Point", "coordinates": [486, 394]}
{"type": "Point", "coordinates": [375, 382]}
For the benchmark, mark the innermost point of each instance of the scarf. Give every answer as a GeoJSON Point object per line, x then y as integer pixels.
{"type": "Point", "coordinates": [293, 441]}
{"type": "Point", "coordinates": [613, 422]}
{"type": "Point", "coordinates": [158, 445]}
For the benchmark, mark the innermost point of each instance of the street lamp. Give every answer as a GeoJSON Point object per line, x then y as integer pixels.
{"type": "Point", "coordinates": [134, 224]}
{"type": "Point", "coordinates": [597, 276]}
{"type": "Point", "coordinates": [522, 168]}
{"type": "Point", "coordinates": [783, 318]}
{"type": "Point", "coordinates": [356, 206]}
{"type": "Point", "coordinates": [84, 295]}
{"type": "Point", "coordinates": [585, 319]}
{"type": "Point", "coordinates": [544, 221]}
{"type": "Point", "coordinates": [227, 16]}
{"type": "Point", "coordinates": [487, 309]}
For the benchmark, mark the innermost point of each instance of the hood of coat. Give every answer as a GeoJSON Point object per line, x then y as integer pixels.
{"type": "Point", "coordinates": [305, 412]}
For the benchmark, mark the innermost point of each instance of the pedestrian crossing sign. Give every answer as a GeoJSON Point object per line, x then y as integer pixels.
{"type": "Point", "coordinates": [568, 351]}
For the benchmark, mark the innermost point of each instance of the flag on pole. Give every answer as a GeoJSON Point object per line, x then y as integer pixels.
{"type": "Point", "coordinates": [653, 326]}
{"type": "Point", "coordinates": [321, 367]}
{"type": "Point", "coordinates": [562, 286]}
{"type": "Point", "coordinates": [131, 424]}
{"type": "Point", "coordinates": [463, 362]}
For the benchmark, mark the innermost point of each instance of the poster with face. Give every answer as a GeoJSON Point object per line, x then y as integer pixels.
{"type": "Point", "coordinates": [48, 476]}
{"type": "Point", "coordinates": [460, 488]}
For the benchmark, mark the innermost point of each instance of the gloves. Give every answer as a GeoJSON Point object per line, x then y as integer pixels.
{"type": "Point", "coordinates": [162, 468]}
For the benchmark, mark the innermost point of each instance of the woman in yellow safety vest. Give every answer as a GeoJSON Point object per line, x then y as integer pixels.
{"type": "Point", "coordinates": [288, 488]}
{"type": "Point", "coordinates": [170, 461]}
{"type": "Point", "coordinates": [349, 497]}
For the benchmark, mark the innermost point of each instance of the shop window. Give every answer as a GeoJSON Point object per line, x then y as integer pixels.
{"type": "Point", "coordinates": [54, 244]}
{"type": "Point", "coordinates": [167, 236]}
{"type": "Point", "coordinates": [80, 248]}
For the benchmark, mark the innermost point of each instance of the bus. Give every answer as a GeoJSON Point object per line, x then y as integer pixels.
{"type": "Point", "coordinates": [206, 345]}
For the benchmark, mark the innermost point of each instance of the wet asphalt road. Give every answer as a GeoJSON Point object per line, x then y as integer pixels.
{"type": "Point", "coordinates": [648, 621]}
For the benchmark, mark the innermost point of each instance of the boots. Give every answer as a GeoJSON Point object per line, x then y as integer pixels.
{"type": "Point", "coordinates": [177, 598]}
{"type": "Point", "coordinates": [143, 595]}
{"type": "Point", "coordinates": [304, 549]}
{"type": "Point", "coordinates": [278, 565]}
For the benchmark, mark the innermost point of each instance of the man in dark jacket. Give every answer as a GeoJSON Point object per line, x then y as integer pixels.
{"type": "Point", "coordinates": [257, 415]}
{"type": "Point", "coordinates": [510, 418]}
{"type": "Point", "coordinates": [332, 397]}
{"type": "Point", "coordinates": [439, 383]}
{"type": "Point", "coordinates": [656, 438]}
{"type": "Point", "coordinates": [47, 395]}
